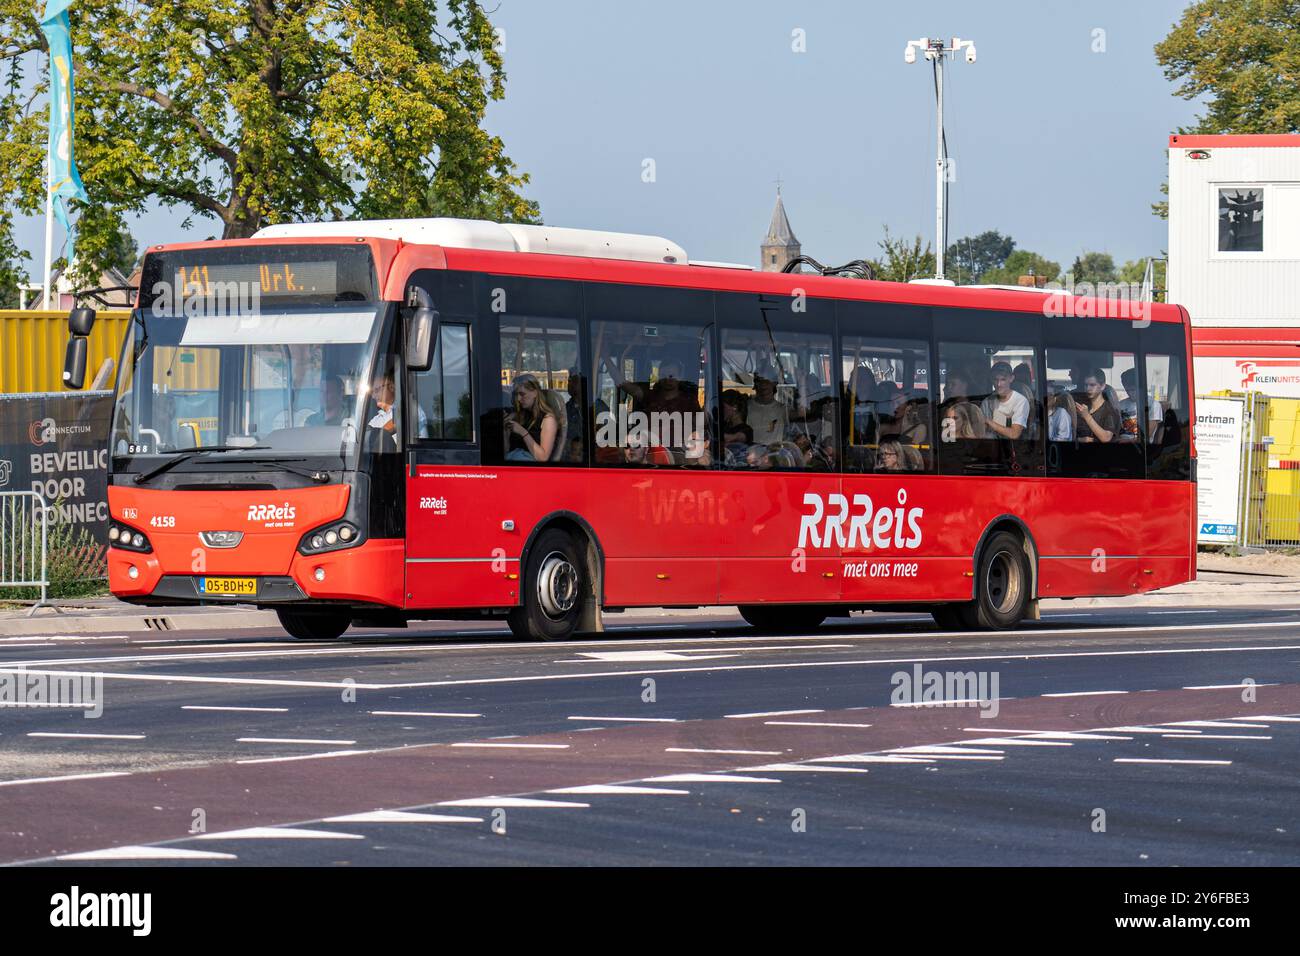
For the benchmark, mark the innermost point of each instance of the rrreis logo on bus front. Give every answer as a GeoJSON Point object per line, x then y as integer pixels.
{"type": "Point", "coordinates": [886, 527]}
{"type": "Point", "coordinates": [273, 516]}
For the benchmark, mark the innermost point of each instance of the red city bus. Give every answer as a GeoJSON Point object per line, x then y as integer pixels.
{"type": "Point", "coordinates": [371, 423]}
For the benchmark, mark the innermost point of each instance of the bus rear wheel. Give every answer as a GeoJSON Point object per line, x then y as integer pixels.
{"type": "Point", "coordinates": [314, 625]}
{"type": "Point", "coordinates": [783, 619]}
{"type": "Point", "coordinates": [553, 589]}
{"type": "Point", "coordinates": [1001, 589]}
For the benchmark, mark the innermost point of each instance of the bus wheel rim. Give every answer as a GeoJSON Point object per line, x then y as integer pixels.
{"type": "Point", "coordinates": [1002, 583]}
{"type": "Point", "coordinates": [557, 585]}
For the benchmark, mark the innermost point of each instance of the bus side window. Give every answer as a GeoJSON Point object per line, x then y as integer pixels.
{"type": "Point", "coordinates": [991, 411]}
{"type": "Point", "coordinates": [442, 396]}
{"type": "Point", "coordinates": [890, 409]}
{"type": "Point", "coordinates": [539, 375]}
{"type": "Point", "coordinates": [1094, 417]}
{"type": "Point", "coordinates": [1168, 443]}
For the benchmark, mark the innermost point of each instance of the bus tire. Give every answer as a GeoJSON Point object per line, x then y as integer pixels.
{"type": "Point", "coordinates": [783, 618]}
{"type": "Point", "coordinates": [949, 617]}
{"type": "Point", "coordinates": [314, 625]}
{"type": "Point", "coordinates": [553, 589]}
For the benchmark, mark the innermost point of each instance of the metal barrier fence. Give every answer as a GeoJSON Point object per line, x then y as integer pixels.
{"type": "Point", "coordinates": [24, 521]}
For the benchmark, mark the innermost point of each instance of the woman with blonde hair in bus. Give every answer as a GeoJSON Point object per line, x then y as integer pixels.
{"type": "Point", "coordinates": [532, 425]}
{"type": "Point", "coordinates": [962, 420]}
{"type": "Point", "coordinates": [889, 457]}
{"type": "Point", "coordinates": [1062, 416]}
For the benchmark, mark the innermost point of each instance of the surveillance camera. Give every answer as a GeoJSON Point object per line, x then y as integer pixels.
{"type": "Point", "coordinates": [970, 54]}
{"type": "Point", "coordinates": [910, 54]}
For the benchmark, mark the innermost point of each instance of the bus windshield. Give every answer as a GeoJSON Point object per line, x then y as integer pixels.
{"type": "Point", "coordinates": [292, 381]}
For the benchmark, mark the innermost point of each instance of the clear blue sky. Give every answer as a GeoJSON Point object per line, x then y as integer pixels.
{"type": "Point", "coordinates": [1059, 147]}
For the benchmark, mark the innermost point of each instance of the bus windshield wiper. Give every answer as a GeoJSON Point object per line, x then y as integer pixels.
{"type": "Point", "coordinates": [281, 463]}
{"type": "Point", "coordinates": [187, 455]}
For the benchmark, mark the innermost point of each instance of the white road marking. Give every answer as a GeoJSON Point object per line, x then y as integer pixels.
{"type": "Point", "coordinates": [803, 768]}
{"type": "Point", "coordinates": [516, 746]}
{"type": "Point", "coordinates": [1227, 686]}
{"type": "Point", "coordinates": [400, 816]}
{"type": "Point", "coordinates": [650, 720]}
{"type": "Point", "coordinates": [1205, 763]}
{"type": "Point", "coordinates": [694, 750]}
{"type": "Point", "coordinates": [293, 740]}
{"type": "Point", "coordinates": [514, 802]}
{"type": "Point", "coordinates": [1075, 735]}
{"type": "Point", "coordinates": [1183, 612]}
{"type": "Point", "coordinates": [1020, 742]}
{"type": "Point", "coordinates": [968, 701]}
{"type": "Point", "coordinates": [809, 723]}
{"type": "Point", "coordinates": [772, 713]}
{"type": "Point", "coordinates": [934, 750]}
{"type": "Point", "coordinates": [1216, 723]}
{"type": "Point", "coordinates": [280, 833]}
{"type": "Point", "coordinates": [72, 776]}
{"type": "Point", "coordinates": [40, 703]}
{"type": "Point", "coordinates": [709, 778]}
{"type": "Point", "coordinates": [147, 853]}
{"type": "Point", "coordinates": [1087, 693]}
{"type": "Point", "coordinates": [872, 758]}
{"type": "Point", "coordinates": [1217, 736]}
{"type": "Point", "coordinates": [417, 713]}
{"type": "Point", "coordinates": [320, 756]}
{"type": "Point", "coordinates": [76, 638]}
{"type": "Point", "coordinates": [89, 736]}
{"type": "Point", "coordinates": [1271, 718]}
{"type": "Point", "coordinates": [1143, 730]}
{"type": "Point", "coordinates": [613, 657]}
{"type": "Point", "coordinates": [615, 789]}
{"type": "Point", "coordinates": [242, 710]}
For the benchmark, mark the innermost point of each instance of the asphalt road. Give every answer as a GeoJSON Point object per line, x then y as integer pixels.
{"type": "Point", "coordinates": [1135, 736]}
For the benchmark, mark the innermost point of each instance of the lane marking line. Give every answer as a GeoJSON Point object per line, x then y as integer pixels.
{"type": "Point", "coordinates": [1086, 693]}
{"type": "Point", "coordinates": [616, 789]}
{"type": "Point", "coordinates": [804, 768]}
{"type": "Point", "coordinates": [330, 753]}
{"type": "Point", "coordinates": [293, 740]}
{"type": "Point", "coordinates": [1216, 736]}
{"type": "Point", "coordinates": [746, 753]}
{"type": "Point", "coordinates": [71, 776]}
{"type": "Point", "coordinates": [772, 713]}
{"type": "Point", "coordinates": [147, 853]}
{"type": "Point", "coordinates": [400, 816]}
{"type": "Point", "coordinates": [87, 736]}
{"type": "Point", "coordinates": [709, 778]}
{"type": "Point", "coordinates": [417, 713]}
{"type": "Point", "coordinates": [1202, 763]}
{"type": "Point", "coordinates": [242, 710]}
{"type": "Point", "coordinates": [651, 720]}
{"type": "Point", "coordinates": [279, 833]}
{"type": "Point", "coordinates": [516, 746]}
{"type": "Point", "coordinates": [810, 723]}
{"type": "Point", "coordinates": [521, 802]}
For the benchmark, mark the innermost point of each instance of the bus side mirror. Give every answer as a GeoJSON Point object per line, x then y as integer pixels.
{"type": "Point", "coordinates": [81, 320]}
{"type": "Point", "coordinates": [421, 329]}
{"type": "Point", "coordinates": [74, 363]}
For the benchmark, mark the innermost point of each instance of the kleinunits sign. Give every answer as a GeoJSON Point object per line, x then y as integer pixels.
{"type": "Point", "coordinates": [1219, 424]}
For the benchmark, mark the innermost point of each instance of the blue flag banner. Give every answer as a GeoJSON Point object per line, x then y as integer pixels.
{"type": "Point", "coordinates": [65, 181]}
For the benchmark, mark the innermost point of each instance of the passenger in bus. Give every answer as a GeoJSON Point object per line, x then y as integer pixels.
{"type": "Point", "coordinates": [959, 385]}
{"type": "Point", "coordinates": [532, 425]}
{"type": "Point", "coordinates": [964, 421]}
{"type": "Point", "coordinates": [1006, 411]}
{"type": "Point", "coordinates": [1062, 414]}
{"type": "Point", "coordinates": [825, 454]}
{"type": "Point", "coordinates": [1130, 428]}
{"type": "Point", "coordinates": [331, 411]}
{"type": "Point", "coordinates": [668, 393]}
{"type": "Point", "coordinates": [913, 422]}
{"type": "Point", "coordinates": [1098, 418]}
{"type": "Point", "coordinates": [735, 430]}
{"type": "Point", "coordinates": [767, 417]}
{"type": "Point", "coordinates": [1024, 380]}
{"type": "Point", "coordinates": [889, 457]}
{"type": "Point", "coordinates": [757, 458]}
{"type": "Point", "coordinates": [697, 453]}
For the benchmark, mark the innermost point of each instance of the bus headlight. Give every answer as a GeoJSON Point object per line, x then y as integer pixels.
{"type": "Point", "coordinates": [122, 536]}
{"type": "Point", "coordinates": [330, 537]}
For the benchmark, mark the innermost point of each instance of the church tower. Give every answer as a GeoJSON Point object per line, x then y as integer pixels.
{"type": "Point", "coordinates": [779, 245]}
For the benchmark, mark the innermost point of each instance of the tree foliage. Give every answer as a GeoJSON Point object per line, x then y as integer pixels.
{"type": "Point", "coordinates": [967, 260]}
{"type": "Point", "coordinates": [1094, 267]}
{"type": "Point", "coordinates": [251, 112]}
{"type": "Point", "coordinates": [1243, 58]}
{"type": "Point", "coordinates": [1022, 262]}
{"type": "Point", "coordinates": [903, 259]}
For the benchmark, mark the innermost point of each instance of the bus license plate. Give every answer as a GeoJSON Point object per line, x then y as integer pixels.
{"type": "Point", "coordinates": [228, 586]}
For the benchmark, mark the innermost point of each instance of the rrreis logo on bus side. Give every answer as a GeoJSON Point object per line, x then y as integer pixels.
{"type": "Point", "coordinates": [273, 516]}
{"type": "Point", "coordinates": [868, 526]}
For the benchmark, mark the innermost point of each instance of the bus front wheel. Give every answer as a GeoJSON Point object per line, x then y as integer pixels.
{"type": "Point", "coordinates": [314, 625]}
{"type": "Point", "coordinates": [553, 589]}
{"type": "Point", "coordinates": [783, 619]}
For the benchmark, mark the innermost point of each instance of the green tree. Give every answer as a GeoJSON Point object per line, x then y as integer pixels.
{"type": "Point", "coordinates": [1133, 272]}
{"type": "Point", "coordinates": [903, 259]}
{"type": "Point", "coordinates": [1022, 262]}
{"type": "Point", "coordinates": [1241, 58]}
{"type": "Point", "coordinates": [1094, 267]}
{"type": "Point", "coordinates": [251, 112]}
{"type": "Point", "coordinates": [968, 259]}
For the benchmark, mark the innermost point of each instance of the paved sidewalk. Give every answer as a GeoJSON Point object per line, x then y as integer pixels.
{"type": "Point", "coordinates": [1221, 582]}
